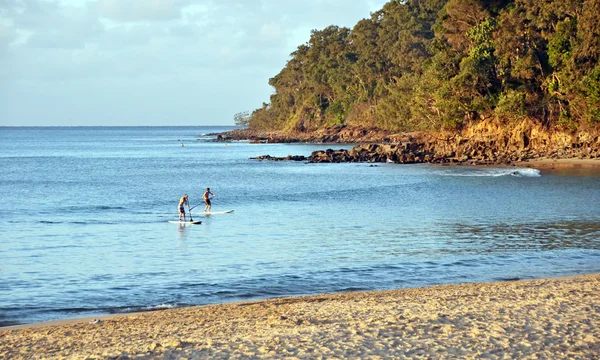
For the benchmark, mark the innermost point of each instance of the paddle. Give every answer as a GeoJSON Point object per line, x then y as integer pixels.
{"type": "Point", "coordinates": [190, 211]}
{"type": "Point", "coordinates": [192, 208]}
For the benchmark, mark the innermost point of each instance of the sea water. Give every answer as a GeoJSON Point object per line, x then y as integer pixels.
{"type": "Point", "coordinates": [84, 225]}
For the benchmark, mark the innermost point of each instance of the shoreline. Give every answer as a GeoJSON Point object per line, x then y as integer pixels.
{"type": "Point", "coordinates": [549, 163]}
{"type": "Point", "coordinates": [484, 143]}
{"type": "Point", "coordinates": [551, 318]}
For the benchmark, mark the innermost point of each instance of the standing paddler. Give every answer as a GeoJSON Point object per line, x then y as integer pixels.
{"type": "Point", "coordinates": [206, 198]}
{"type": "Point", "coordinates": [182, 203]}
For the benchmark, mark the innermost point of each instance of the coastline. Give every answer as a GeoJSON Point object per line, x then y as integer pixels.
{"type": "Point", "coordinates": [549, 318]}
{"type": "Point", "coordinates": [549, 163]}
{"type": "Point", "coordinates": [485, 143]}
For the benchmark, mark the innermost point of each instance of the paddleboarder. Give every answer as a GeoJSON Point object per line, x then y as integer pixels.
{"type": "Point", "coordinates": [184, 201]}
{"type": "Point", "coordinates": [206, 198]}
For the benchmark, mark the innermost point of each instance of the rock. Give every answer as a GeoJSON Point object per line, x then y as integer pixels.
{"type": "Point", "coordinates": [486, 142]}
{"type": "Point", "coordinates": [154, 346]}
{"type": "Point", "coordinates": [173, 344]}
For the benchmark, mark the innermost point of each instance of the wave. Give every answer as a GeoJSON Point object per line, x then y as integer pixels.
{"type": "Point", "coordinates": [492, 172]}
{"type": "Point", "coordinates": [527, 172]}
{"type": "Point", "coordinates": [106, 309]}
{"type": "Point", "coordinates": [86, 221]}
{"type": "Point", "coordinates": [134, 309]}
{"type": "Point", "coordinates": [98, 207]}
{"type": "Point", "coordinates": [116, 222]}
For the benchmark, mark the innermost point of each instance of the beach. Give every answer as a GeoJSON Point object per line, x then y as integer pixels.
{"type": "Point", "coordinates": [571, 163]}
{"type": "Point", "coordinates": [297, 229]}
{"type": "Point", "coordinates": [556, 318]}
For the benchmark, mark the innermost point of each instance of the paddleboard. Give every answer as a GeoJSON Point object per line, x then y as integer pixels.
{"type": "Point", "coordinates": [195, 222]}
{"type": "Point", "coordinates": [213, 212]}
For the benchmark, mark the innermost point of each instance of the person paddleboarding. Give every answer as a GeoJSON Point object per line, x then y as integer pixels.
{"type": "Point", "coordinates": [184, 201]}
{"type": "Point", "coordinates": [206, 198]}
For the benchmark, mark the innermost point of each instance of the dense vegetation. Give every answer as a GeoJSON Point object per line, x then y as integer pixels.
{"type": "Point", "coordinates": [434, 64]}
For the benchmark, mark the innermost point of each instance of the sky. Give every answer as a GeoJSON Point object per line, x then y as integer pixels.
{"type": "Point", "coordinates": [151, 62]}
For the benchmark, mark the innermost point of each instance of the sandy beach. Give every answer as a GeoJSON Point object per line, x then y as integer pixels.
{"type": "Point", "coordinates": [547, 319]}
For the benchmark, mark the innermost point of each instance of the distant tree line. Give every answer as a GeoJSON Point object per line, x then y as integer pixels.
{"type": "Point", "coordinates": [434, 64]}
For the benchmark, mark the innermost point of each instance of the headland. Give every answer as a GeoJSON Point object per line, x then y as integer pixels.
{"type": "Point", "coordinates": [485, 143]}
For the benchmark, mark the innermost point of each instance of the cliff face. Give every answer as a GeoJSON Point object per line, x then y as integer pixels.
{"type": "Point", "coordinates": [493, 142]}
{"type": "Point", "coordinates": [486, 142]}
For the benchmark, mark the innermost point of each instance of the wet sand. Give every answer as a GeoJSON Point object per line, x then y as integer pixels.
{"type": "Point", "coordinates": [549, 318]}
{"type": "Point", "coordinates": [548, 163]}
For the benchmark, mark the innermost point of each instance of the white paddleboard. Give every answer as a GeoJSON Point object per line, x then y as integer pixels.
{"type": "Point", "coordinates": [213, 212]}
{"type": "Point", "coordinates": [195, 222]}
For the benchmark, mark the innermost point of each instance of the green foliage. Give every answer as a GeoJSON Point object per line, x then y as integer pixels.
{"type": "Point", "coordinates": [592, 86]}
{"type": "Point", "coordinates": [566, 120]}
{"type": "Point", "coordinates": [511, 105]}
{"type": "Point", "coordinates": [336, 113]}
{"type": "Point", "coordinates": [587, 50]}
{"type": "Point", "coordinates": [559, 46]}
{"type": "Point", "coordinates": [394, 111]}
{"type": "Point", "coordinates": [241, 118]}
{"type": "Point", "coordinates": [432, 64]}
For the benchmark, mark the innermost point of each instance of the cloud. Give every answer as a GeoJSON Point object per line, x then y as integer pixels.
{"type": "Point", "coordinates": [45, 24]}
{"type": "Point", "coordinates": [7, 36]}
{"type": "Point", "coordinates": [140, 10]}
{"type": "Point", "coordinates": [99, 52]}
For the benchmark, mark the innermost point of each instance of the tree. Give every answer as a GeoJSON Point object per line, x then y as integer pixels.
{"type": "Point", "coordinates": [432, 64]}
{"type": "Point", "coordinates": [242, 118]}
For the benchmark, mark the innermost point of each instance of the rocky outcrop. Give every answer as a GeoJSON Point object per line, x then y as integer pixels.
{"type": "Point", "coordinates": [405, 153]}
{"type": "Point", "coordinates": [287, 158]}
{"type": "Point", "coordinates": [335, 134]}
{"type": "Point", "coordinates": [494, 142]}
{"type": "Point", "coordinates": [487, 142]}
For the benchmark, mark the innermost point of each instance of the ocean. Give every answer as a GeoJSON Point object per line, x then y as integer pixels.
{"type": "Point", "coordinates": [84, 225]}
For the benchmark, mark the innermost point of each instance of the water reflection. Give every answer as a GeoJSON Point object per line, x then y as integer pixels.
{"type": "Point", "coordinates": [529, 236]}
{"type": "Point", "coordinates": [572, 170]}
{"type": "Point", "coordinates": [182, 231]}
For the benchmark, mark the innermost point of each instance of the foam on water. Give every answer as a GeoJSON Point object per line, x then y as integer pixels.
{"type": "Point", "coordinates": [490, 172]}
{"type": "Point", "coordinates": [527, 172]}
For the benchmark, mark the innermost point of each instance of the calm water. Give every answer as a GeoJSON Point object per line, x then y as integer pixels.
{"type": "Point", "coordinates": [84, 223]}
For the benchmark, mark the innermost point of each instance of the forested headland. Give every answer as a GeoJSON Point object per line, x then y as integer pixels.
{"type": "Point", "coordinates": [446, 66]}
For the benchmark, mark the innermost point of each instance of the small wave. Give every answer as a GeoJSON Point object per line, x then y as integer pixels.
{"type": "Point", "coordinates": [110, 310]}
{"type": "Point", "coordinates": [73, 310]}
{"type": "Point", "coordinates": [492, 172]}
{"type": "Point", "coordinates": [4, 323]}
{"type": "Point", "coordinates": [92, 208]}
{"type": "Point", "coordinates": [507, 279]}
{"type": "Point", "coordinates": [107, 207]}
{"type": "Point", "coordinates": [161, 306]}
{"type": "Point", "coordinates": [527, 172]}
{"type": "Point", "coordinates": [103, 222]}
{"type": "Point", "coordinates": [352, 289]}
{"type": "Point", "coordinates": [225, 293]}
{"type": "Point", "coordinates": [132, 309]}
{"type": "Point", "coordinates": [49, 248]}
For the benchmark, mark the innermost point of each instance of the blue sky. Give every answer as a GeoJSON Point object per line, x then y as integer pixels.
{"type": "Point", "coordinates": [151, 62]}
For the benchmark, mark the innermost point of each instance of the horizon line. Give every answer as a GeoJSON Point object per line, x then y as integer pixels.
{"type": "Point", "coordinates": [123, 126]}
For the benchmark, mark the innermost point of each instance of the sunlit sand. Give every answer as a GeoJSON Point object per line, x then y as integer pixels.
{"type": "Point", "coordinates": [549, 318]}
